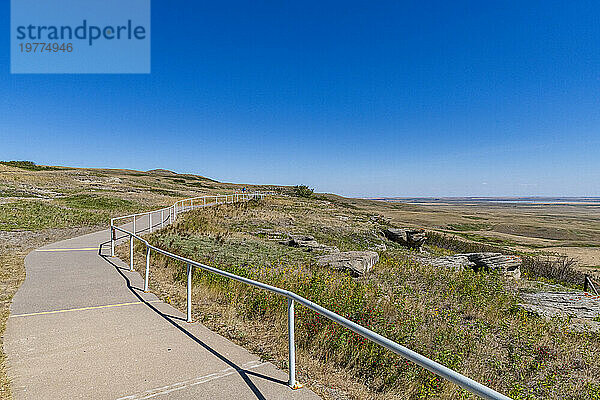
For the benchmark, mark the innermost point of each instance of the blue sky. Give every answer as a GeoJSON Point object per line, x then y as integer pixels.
{"type": "Point", "coordinates": [357, 98]}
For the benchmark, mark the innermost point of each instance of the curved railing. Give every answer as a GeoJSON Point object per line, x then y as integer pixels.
{"type": "Point", "coordinates": [188, 204]}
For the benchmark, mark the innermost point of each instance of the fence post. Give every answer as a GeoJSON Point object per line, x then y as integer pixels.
{"type": "Point", "coordinates": [131, 252]}
{"type": "Point", "coordinates": [585, 283]}
{"type": "Point", "coordinates": [291, 346]}
{"type": "Point", "coordinates": [147, 277]}
{"type": "Point", "coordinates": [112, 239]}
{"type": "Point", "coordinates": [189, 292]}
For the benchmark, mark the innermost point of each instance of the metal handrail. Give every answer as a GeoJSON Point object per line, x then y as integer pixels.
{"type": "Point", "coordinates": [589, 283]}
{"type": "Point", "coordinates": [432, 366]}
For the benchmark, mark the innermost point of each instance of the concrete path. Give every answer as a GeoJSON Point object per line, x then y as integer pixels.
{"type": "Point", "coordinates": [82, 328]}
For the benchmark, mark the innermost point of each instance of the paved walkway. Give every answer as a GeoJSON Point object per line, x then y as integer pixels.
{"type": "Point", "coordinates": [82, 328]}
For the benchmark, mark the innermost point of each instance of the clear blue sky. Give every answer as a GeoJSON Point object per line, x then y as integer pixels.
{"type": "Point", "coordinates": [358, 98]}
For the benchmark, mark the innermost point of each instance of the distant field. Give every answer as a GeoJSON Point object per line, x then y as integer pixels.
{"type": "Point", "coordinates": [468, 321]}
{"type": "Point", "coordinates": [569, 226]}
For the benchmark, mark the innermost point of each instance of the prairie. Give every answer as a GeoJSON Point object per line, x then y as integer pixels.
{"type": "Point", "coordinates": [468, 321]}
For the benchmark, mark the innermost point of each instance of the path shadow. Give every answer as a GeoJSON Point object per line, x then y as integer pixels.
{"type": "Point", "coordinates": [170, 319]}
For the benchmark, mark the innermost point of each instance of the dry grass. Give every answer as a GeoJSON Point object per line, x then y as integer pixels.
{"type": "Point", "coordinates": [12, 273]}
{"type": "Point", "coordinates": [41, 205]}
{"type": "Point", "coordinates": [467, 321]}
{"type": "Point", "coordinates": [474, 326]}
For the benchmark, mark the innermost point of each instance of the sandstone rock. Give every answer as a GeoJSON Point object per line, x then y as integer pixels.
{"type": "Point", "coordinates": [380, 219]}
{"type": "Point", "coordinates": [457, 262]}
{"type": "Point", "coordinates": [505, 264]}
{"type": "Point", "coordinates": [307, 242]}
{"type": "Point", "coordinates": [271, 234]}
{"type": "Point", "coordinates": [379, 247]}
{"type": "Point", "coordinates": [357, 262]}
{"type": "Point", "coordinates": [583, 309]}
{"type": "Point", "coordinates": [413, 238]}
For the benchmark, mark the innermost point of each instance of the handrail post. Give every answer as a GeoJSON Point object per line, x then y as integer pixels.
{"type": "Point", "coordinates": [147, 277]}
{"type": "Point", "coordinates": [585, 283]}
{"type": "Point", "coordinates": [131, 252]}
{"type": "Point", "coordinates": [134, 224]}
{"type": "Point", "coordinates": [291, 346]}
{"type": "Point", "coordinates": [150, 221]}
{"type": "Point", "coordinates": [162, 218]}
{"type": "Point", "coordinates": [189, 292]}
{"type": "Point", "coordinates": [112, 238]}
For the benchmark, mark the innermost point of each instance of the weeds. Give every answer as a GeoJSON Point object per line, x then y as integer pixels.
{"type": "Point", "coordinates": [558, 269]}
{"type": "Point", "coordinates": [465, 320]}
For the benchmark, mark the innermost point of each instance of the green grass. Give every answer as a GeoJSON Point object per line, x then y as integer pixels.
{"type": "Point", "coordinates": [34, 215]}
{"type": "Point", "coordinates": [28, 165]}
{"type": "Point", "coordinates": [468, 321]}
{"type": "Point", "coordinates": [468, 227]}
{"type": "Point", "coordinates": [11, 192]}
{"type": "Point", "coordinates": [95, 202]}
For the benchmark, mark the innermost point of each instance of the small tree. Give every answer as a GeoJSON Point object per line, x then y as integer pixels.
{"type": "Point", "coordinates": [303, 191]}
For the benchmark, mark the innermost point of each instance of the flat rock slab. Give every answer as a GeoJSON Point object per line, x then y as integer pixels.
{"type": "Point", "coordinates": [409, 237]}
{"type": "Point", "coordinates": [582, 307]}
{"type": "Point", "coordinates": [356, 262]}
{"type": "Point", "coordinates": [309, 243]}
{"type": "Point", "coordinates": [81, 328]}
{"type": "Point", "coordinates": [505, 264]}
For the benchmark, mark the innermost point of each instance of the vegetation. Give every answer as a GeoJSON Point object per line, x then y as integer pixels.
{"type": "Point", "coordinates": [34, 215]}
{"type": "Point", "coordinates": [59, 203]}
{"type": "Point", "coordinates": [28, 165]}
{"type": "Point", "coordinates": [95, 202]}
{"type": "Point", "coordinates": [558, 269]}
{"type": "Point", "coordinates": [303, 191]}
{"type": "Point", "coordinates": [467, 321]}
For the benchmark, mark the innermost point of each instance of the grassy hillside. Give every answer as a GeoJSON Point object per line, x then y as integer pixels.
{"type": "Point", "coordinates": [465, 320]}
{"type": "Point", "coordinates": [468, 321]}
{"type": "Point", "coordinates": [45, 204]}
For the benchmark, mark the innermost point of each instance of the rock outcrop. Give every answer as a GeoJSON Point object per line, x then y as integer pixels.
{"type": "Point", "coordinates": [505, 264]}
{"type": "Point", "coordinates": [307, 242]}
{"type": "Point", "coordinates": [409, 237]}
{"type": "Point", "coordinates": [582, 309]}
{"type": "Point", "coordinates": [356, 262]}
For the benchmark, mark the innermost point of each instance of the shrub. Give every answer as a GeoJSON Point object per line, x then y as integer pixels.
{"type": "Point", "coordinates": [560, 269]}
{"type": "Point", "coordinates": [303, 191]}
